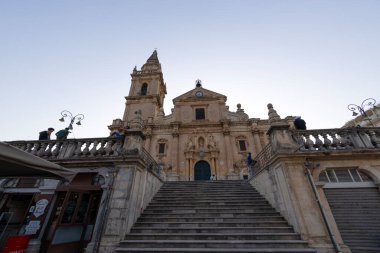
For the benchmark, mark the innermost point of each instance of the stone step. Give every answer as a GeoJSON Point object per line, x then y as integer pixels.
{"type": "Point", "coordinates": [214, 236]}
{"type": "Point", "coordinates": [206, 193]}
{"type": "Point", "coordinates": [359, 224]}
{"type": "Point", "coordinates": [219, 215]}
{"type": "Point", "coordinates": [213, 243]}
{"type": "Point", "coordinates": [210, 224]}
{"type": "Point", "coordinates": [368, 216]}
{"type": "Point", "coordinates": [199, 189]}
{"type": "Point", "coordinates": [211, 216]}
{"type": "Point", "coordinates": [200, 210]}
{"type": "Point", "coordinates": [208, 183]}
{"type": "Point", "coordinates": [212, 199]}
{"type": "Point", "coordinates": [207, 204]}
{"type": "Point", "coordinates": [359, 198]}
{"type": "Point", "coordinates": [207, 189]}
{"type": "Point", "coordinates": [205, 198]}
{"type": "Point", "coordinates": [239, 250]}
{"type": "Point", "coordinates": [371, 244]}
{"type": "Point", "coordinates": [225, 193]}
{"type": "Point", "coordinates": [208, 219]}
{"type": "Point", "coordinates": [349, 205]}
{"type": "Point", "coordinates": [268, 229]}
{"type": "Point", "coordinates": [365, 249]}
{"type": "Point", "coordinates": [356, 212]}
{"type": "Point", "coordinates": [367, 242]}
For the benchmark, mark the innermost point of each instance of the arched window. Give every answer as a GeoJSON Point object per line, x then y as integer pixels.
{"type": "Point", "coordinates": [343, 175]}
{"type": "Point", "coordinates": [144, 89]}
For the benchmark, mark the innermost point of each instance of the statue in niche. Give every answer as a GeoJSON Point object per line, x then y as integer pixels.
{"type": "Point", "coordinates": [190, 144]}
{"type": "Point", "coordinates": [211, 143]}
{"type": "Point", "coordinates": [201, 143]}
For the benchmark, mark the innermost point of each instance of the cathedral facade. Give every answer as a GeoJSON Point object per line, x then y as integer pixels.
{"type": "Point", "coordinates": [200, 138]}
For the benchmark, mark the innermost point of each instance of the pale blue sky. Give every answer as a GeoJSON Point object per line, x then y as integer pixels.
{"type": "Point", "coordinates": [308, 58]}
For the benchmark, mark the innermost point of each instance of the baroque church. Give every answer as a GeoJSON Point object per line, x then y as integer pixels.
{"type": "Point", "coordinates": [201, 137]}
{"type": "Point", "coordinates": [181, 183]}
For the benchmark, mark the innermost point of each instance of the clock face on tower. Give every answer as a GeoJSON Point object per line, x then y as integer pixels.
{"type": "Point", "coordinates": [199, 94]}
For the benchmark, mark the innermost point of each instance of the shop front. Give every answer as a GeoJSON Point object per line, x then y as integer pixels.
{"type": "Point", "coordinates": [73, 218]}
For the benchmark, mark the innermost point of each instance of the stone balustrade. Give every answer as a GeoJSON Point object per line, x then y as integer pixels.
{"type": "Point", "coordinates": [84, 149]}
{"type": "Point", "coordinates": [324, 140]}
{"type": "Point", "coordinates": [337, 139]}
{"type": "Point", "coordinates": [72, 148]}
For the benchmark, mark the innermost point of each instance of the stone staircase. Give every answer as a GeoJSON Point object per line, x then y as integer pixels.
{"type": "Point", "coordinates": [356, 212]}
{"type": "Point", "coordinates": [211, 216]}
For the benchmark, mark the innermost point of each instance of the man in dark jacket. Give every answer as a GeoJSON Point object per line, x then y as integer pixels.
{"type": "Point", "coordinates": [299, 123]}
{"type": "Point", "coordinates": [45, 135]}
{"type": "Point", "coordinates": [62, 134]}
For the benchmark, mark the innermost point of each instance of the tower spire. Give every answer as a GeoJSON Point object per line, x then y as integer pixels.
{"type": "Point", "coordinates": [153, 58]}
{"type": "Point", "coordinates": [152, 64]}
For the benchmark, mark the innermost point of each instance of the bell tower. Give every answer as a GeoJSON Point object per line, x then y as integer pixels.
{"type": "Point", "coordinates": [147, 92]}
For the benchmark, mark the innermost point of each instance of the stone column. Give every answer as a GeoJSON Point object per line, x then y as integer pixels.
{"type": "Point", "coordinates": [228, 145]}
{"type": "Point", "coordinates": [192, 169]}
{"type": "Point", "coordinates": [256, 140]}
{"type": "Point", "coordinates": [174, 176]}
{"type": "Point", "coordinates": [214, 155]}
{"type": "Point", "coordinates": [189, 157]}
{"type": "Point", "coordinates": [174, 153]}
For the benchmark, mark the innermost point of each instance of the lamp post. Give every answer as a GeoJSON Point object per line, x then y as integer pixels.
{"type": "Point", "coordinates": [361, 108]}
{"type": "Point", "coordinates": [68, 114]}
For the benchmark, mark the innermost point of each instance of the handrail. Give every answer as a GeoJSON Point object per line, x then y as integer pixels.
{"type": "Point", "coordinates": [262, 160]}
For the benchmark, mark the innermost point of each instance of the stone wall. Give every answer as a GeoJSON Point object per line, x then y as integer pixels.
{"type": "Point", "coordinates": [133, 189]}
{"type": "Point", "coordinates": [286, 187]}
{"type": "Point", "coordinates": [282, 169]}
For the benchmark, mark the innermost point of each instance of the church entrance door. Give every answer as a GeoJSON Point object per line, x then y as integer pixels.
{"type": "Point", "coordinates": [202, 171]}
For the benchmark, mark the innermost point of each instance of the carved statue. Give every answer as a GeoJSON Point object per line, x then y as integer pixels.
{"type": "Point", "coordinates": [190, 144]}
{"type": "Point", "coordinates": [201, 142]}
{"type": "Point", "coordinates": [211, 143]}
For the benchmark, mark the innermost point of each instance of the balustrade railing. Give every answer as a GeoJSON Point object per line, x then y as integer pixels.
{"type": "Point", "coordinates": [91, 148]}
{"type": "Point", "coordinates": [324, 140]}
{"type": "Point", "coordinates": [72, 148]}
{"type": "Point", "coordinates": [337, 139]}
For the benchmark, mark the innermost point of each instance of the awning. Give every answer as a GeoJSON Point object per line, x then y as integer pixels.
{"type": "Point", "coordinates": [17, 163]}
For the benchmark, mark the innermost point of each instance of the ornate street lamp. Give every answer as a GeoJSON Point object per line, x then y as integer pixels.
{"type": "Point", "coordinates": [68, 114]}
{"type": "Point", "coordinates": [361, 109]}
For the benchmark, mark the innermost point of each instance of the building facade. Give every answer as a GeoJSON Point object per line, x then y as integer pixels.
{"type": "Point", "coordinates": [324, 182]}
{"type": "Point", "coordinates": [201, 137]}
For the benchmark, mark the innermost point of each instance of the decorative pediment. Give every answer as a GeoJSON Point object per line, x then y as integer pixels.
{"type": "Point", "coordinates": [200, 94]}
